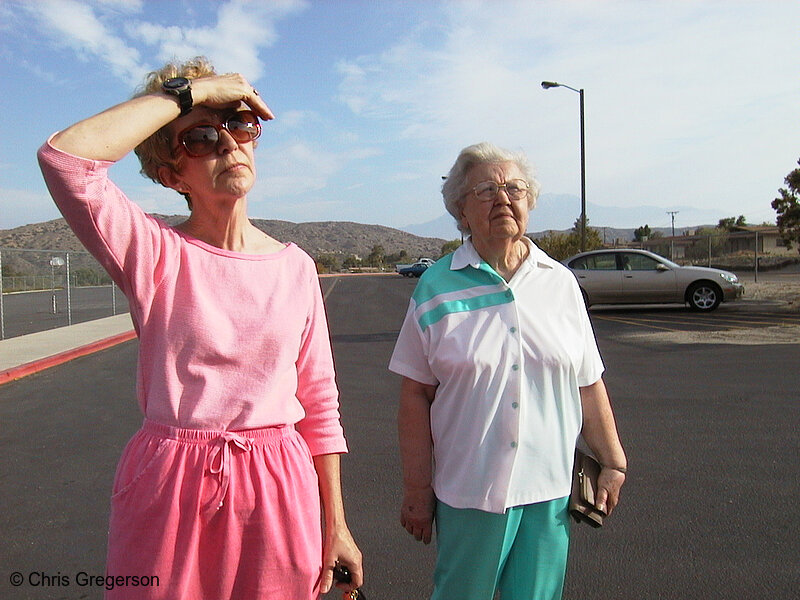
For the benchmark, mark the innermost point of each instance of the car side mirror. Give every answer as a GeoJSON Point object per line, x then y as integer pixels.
{"type": "Point", "coordinates": [662, 267]}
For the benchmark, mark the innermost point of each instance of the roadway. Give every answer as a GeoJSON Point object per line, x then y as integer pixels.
{"type": "Point", "coordinates": [707, 513]}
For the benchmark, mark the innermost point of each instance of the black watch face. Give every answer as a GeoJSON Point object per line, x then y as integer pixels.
{"type": "Point", "coordinates": [176, 83]}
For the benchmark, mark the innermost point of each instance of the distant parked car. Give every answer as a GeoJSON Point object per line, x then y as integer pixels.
{"type": "Point", "coordinates": [415, 270]}
{"type": "Point", "coordinates": [622, 276]}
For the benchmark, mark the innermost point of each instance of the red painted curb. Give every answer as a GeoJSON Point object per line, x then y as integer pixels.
{"type": "Point", "coordinates": [35, 366]}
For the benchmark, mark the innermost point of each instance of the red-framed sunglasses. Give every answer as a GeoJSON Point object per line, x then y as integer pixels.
{"type": "Point", "coordinates": [201, 139]}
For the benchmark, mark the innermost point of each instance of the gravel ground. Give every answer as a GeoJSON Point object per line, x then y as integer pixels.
{"type": "Point", "coordinates": [778, 290]}
{"type": "Point", "coordinates": [783, 292]}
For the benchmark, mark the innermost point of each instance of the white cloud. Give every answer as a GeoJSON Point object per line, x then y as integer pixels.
{"type": "Point", "coordinates": [6, 17]}
{"type": "Point", "coordinates": [233, 43]}
{"type": "Point", "coordinates": [676, 92]}
{"type": "Point", "coordinates": [105, 30]}
{"type": "Point", "coordinates": [127, 6]}
{"type": "Point", "coordinates": [76, 25]}
{"type": "Point", "coordinates": [298, 174]}
{"type": "Point", "coordinates": [295, 169]}
{"type": "Point", "coordinates": [293, 119]}
{"type": "Point", "coordinates": [404, 176]}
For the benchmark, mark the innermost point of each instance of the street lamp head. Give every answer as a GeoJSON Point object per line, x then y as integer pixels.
{"type": "Point", "coordinates": [550, 84]}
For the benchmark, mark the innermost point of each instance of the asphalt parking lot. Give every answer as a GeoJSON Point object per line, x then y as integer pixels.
{"type": "Point", "coordinates": [735, 315]}
{"type": "Point", "coordinates": [707, 512]}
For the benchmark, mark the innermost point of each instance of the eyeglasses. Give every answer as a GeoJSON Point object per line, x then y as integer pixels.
{"type": "Point", "coordinates": [516, 189]}
{"type": "Point", "coordinates": [202, 139]}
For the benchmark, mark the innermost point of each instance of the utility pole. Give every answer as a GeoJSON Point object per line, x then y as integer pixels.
{"type": "Point", "coordinates": [672, 213]}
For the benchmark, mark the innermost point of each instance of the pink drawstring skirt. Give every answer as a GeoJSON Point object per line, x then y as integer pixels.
{"type": "Point", "coordinates": [200, 514]}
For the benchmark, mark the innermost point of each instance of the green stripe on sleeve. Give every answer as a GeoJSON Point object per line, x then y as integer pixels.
{"type": "Point", "coordinates": [440, 279]}
{"type": "Point", "coordinates": [467, 304]}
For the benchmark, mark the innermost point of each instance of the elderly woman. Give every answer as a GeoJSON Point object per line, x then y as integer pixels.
{"type": "Point", "coordinates": [222, 492]}
{"type": "Point", "coordinates": [501, 374]}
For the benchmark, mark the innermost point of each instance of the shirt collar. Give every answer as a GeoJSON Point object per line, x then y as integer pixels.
{"type": "Point", "coordinates": [466, 256]}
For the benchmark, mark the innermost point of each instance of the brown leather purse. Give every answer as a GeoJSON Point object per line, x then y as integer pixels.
{"type": "Point", "coordinates": [584, 486]}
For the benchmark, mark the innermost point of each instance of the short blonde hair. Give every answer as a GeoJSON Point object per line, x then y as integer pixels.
{"type": "Point", "coordinates": [453, 187]}
{"type": "Point", "coordinates": [156, 151]}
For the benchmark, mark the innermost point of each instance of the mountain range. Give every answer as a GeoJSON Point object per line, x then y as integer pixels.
{"type": "Point", "coordinates": [316, 238]}
{"type": "Point", "coordinates": [346, 238]}
{"type": "Point", "coordinates": [558, 212]}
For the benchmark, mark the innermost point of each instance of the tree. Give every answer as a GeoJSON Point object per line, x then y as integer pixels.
{"type": "Point", "coordinates": [563, 245]}
{"type": "Point", "coordinates": [560, 245]}
{"type": "Point", "coordinates": [642, 233]}
{"type": "Point", "coordinates": [593, 239]}
{"type": "Point", "coordinates": [715, 244]}
{"type": "Point", "coordinates": [731, 222]}
{"type": "Point", "coordinates": [351, 262]}
{"type": "Point", "coordinates": [788, 209]}
{"type": "Point", "coordinates": [377, 256]}
{"type": "Point", "coordinates": [329, 263]}
{"type": "Point", "coordinates": [397, 258]}
{"type": "Point", "coordinates": [449, 247]}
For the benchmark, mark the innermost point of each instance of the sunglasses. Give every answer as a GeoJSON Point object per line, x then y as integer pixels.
{"type": "Point", "coordinates": [202, 139]}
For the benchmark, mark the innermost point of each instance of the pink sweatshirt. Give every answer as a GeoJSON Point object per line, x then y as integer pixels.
{"type": "Point", "coordinates": [227, 341]}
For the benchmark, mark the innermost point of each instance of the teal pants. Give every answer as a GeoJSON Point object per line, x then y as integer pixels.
{"type": "Point", "coordinates": [523, 552]}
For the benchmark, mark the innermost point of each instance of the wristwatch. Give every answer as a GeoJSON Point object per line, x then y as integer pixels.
{"type": "Point", "coordinates": [182, 88]}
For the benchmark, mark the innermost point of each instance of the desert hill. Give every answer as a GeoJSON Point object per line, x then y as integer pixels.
{"type": "Point", "coordinates": [316, 238]}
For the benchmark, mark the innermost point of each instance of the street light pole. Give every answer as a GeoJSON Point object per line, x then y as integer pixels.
{"type": "Point", "coordinates": [551, 84]}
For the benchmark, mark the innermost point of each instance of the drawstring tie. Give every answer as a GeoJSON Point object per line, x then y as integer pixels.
{"type": "Point", "coordinates": [220, 463]}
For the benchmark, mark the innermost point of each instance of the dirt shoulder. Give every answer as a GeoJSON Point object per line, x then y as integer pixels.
{"type": "Point", "coordinates": [781, 294]}
{"type": "Point", "coordinates": [783, 291]}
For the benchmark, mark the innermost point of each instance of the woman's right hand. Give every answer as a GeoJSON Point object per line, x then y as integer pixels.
{"type": "Point", "coordinates": [416, 513]}
{"type": "Point", "coordinates": [222, 90]}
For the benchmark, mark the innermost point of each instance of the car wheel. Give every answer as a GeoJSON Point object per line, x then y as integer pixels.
{"type": "Point", "coordinates": [704, 296]}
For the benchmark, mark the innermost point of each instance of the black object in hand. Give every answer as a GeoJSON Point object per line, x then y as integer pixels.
{"type": "Point", "coordinates": [342, 575]}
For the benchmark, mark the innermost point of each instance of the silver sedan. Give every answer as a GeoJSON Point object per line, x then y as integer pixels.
{"type": "Point", "coordinates": [622, 276]}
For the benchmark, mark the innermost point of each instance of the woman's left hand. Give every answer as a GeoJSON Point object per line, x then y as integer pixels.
{"type": "Point", "coordinates": [609, 483]}
{"type": "Point", "coordinates": [340, 548]}
{"type": "Point", "coordinates": [600, 433]}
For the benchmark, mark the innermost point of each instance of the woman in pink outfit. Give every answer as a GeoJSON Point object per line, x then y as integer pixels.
{"type": "Point", "coordinates": [231, 489]}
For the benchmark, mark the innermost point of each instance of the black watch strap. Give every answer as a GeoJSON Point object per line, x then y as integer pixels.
{"type": "Point", "coordinates": [182, 89]}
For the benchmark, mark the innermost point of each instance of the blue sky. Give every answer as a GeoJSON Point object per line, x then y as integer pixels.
{"type": "Point", "coordinates": [688, 104]}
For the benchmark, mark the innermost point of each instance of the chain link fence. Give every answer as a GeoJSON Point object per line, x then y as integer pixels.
{"type": "Point", "coordinates": [732, 251]}
{"type": "Point", "coordinates": [45, 289]}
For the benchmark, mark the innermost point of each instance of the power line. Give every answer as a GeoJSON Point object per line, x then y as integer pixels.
{"type": "Point", "coordinates": [672, 213]}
